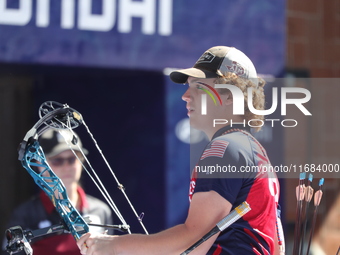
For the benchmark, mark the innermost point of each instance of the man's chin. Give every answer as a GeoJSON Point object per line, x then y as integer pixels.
{"type": "Point", "coordinates": [196, 124]}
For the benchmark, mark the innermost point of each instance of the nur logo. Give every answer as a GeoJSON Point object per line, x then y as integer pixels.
{"type": "Point", "coordinates": [239, 102]}
{"type": "Point", "coordinates": [204, 97]}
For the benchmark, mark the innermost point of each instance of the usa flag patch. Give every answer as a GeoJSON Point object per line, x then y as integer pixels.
{"type": "Point", "coordinates": [217, 149]}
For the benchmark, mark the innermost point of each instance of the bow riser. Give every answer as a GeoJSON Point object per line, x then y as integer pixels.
{"type": "Point", "coordinates": [50, 183]}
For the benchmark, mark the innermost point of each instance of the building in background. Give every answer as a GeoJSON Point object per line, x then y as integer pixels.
{"type": "Point", "coordinates": [312, 50]}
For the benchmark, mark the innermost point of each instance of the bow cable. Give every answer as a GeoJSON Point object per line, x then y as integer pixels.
{"type": "Point", "coordinates": [120, 186]}
{"type": "Point", "coordinates": [68, 125]}
{"type": "Point", "coordinates": [96, 180]}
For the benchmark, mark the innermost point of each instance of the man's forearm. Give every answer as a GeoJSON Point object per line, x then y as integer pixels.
{"type": "Point", "coordinates": [171, 241]}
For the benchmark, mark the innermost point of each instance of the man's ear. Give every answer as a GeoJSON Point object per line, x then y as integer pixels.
{"type": "Point", "coordinates": [228, 99]}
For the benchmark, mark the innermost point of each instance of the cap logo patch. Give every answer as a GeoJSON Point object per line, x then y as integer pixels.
{"type": "Point", "coordinates": [236, 68]}
{"type": "Point", "coordinates": [207, 57]}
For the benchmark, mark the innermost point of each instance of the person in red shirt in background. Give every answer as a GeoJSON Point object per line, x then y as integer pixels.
{"type": "Point", "coordinates": [39, 212]}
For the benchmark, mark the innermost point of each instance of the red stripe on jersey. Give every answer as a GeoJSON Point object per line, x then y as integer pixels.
{"type": "Point", "coordinates": [263, 158]}
{"type": "Point", "coordinates": [264, 250]}
{"type": "Point", "coordinates": [218, 250]}
{"type": "Point", "coordinates": [217, 149]}
{"type": "Point", "coordinates": [256, 251]}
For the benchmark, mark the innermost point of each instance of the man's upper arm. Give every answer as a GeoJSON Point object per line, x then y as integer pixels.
{"type": "Point", "coordinates": [206, 210]}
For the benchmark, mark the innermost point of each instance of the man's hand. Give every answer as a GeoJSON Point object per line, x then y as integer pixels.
{"type": "Point", "coordinates": [206, 210]}
{"type": "Point", "coordinates": [93, 243]}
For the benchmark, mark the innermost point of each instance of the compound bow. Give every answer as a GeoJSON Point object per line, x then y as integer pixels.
{"type": "Point", "coordinates": [58, 116]}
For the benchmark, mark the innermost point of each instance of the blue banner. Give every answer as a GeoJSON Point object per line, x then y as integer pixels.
{"type": "Point", "coordinates": [144, 34]}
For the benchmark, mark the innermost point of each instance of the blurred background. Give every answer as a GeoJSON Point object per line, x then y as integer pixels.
{"type": "Point", "coordinates": [110, 60]}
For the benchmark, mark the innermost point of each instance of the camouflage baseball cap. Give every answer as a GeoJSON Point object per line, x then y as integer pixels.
{"type": "Point", "coordinates": [54, 142]}
{"type": "Point", "coordinates": [216, 61]}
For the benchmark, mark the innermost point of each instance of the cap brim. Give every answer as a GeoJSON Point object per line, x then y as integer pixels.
{"type": "Point", "coordinates": [64, 147]}
{"type": "Point", "coordinates": [181, 76]}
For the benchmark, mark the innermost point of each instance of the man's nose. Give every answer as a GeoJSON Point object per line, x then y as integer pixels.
{"type": "Point", "coordinates": [186, 95]}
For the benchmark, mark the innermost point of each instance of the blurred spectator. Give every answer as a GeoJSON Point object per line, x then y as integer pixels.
{"type": "Point", "coordinates": [39, 212]}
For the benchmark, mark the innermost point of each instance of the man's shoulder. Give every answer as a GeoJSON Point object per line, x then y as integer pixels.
{"type": "Point", "coordinates": [98, 211]}
{"type": "Point", "coordinates": [94, 202]}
